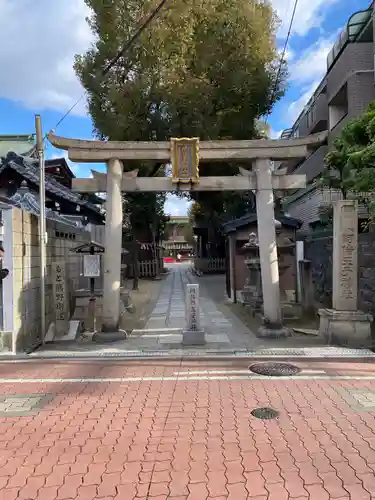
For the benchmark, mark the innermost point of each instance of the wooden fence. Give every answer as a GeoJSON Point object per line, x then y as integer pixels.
{"type": "Point", "coordinates": [210, 265]}
{"type": "Point", "coordinates": [146, 269]}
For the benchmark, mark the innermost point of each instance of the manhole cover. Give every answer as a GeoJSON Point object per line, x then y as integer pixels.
{"type": "Point", "coordinates": [275, 369]}
{"type": "Point", "coordinates": [265, 413]}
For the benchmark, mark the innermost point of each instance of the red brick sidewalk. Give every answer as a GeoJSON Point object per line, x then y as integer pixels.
{"type": "Point", "coordinates": [185, 437]}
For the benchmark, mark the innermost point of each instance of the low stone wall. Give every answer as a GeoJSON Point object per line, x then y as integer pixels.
{"type": "Point", "coordinates": [21, 293]}
{"type": "Point", "coordinates": [318, 249]}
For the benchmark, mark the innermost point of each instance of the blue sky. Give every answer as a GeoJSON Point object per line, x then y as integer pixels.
{"type": "Point", "coordinates": [37, 76]}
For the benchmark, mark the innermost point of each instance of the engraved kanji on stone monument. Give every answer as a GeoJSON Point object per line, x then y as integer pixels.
{"type": "Point", "coordinates": [185, 160]}
{"type": "Point", "coordinates": [60, 296]}
{"type": "Point", "coordinates": [192, 308]}
{"type": "Point", "coordinates": [344, 323]}
{"type": "Point", "coordinates": [345, 265]}
{"type": "Point", "coordinates": [193, 334]}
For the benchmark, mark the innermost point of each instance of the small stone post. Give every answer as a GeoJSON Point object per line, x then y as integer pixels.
{"type": "Point", "coordinates": [344, 324]}
{"type": "Point", "coordinates": [193, 333]}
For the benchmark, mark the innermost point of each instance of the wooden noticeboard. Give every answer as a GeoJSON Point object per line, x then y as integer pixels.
{"type": "Point", "coordinates": [91, 266]}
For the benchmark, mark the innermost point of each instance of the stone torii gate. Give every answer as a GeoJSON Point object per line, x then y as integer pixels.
{"type": "Point", "coordinates": [185, 156]}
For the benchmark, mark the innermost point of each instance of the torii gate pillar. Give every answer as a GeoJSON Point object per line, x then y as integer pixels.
{"type": "Point", "coordinates": [272, 326]}
{"type": "Point", "coordinates": [112, 256]}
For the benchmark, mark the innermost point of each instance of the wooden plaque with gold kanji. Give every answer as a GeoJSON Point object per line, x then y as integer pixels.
{"type": "Point", "coordinates": [185, 160]}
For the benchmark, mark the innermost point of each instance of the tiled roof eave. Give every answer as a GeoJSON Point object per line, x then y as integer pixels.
{"type": "Point", "coordinates": [28, 169]}
{"type": "Point", "coordinates": [29, 203]}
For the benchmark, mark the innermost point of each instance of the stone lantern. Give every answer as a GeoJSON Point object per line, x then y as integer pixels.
{"type": "Point", "coordinates": [253, 293]}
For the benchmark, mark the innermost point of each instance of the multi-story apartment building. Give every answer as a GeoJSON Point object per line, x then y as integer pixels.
{"type": "Point", "coordinates": [344, 93]}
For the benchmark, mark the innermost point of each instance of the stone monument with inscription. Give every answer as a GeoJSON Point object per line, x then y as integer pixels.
{"type": "Point", "coordinates": [193, 334]}
{"type": "Point", "coordinates": [60, 298]}
{"type": "Point", "coordinates": [344, 324]}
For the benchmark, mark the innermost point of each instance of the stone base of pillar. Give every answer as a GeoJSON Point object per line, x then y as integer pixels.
{"type": "Point", "coordinates": [273, 331]}
{"type": "Point", "coordinates": [194, 337]}
{"type": "Point", "coordinates": [108, 337]}
{"type": "Point", "coordinates": [349, 328]}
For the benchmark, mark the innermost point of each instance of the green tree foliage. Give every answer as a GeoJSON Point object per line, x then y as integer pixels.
{"type": "Point", "coordinates": [204, 68]}
{"type": "Point", "coordinates": [350, 165]}
{"type": "Point", "coordinates": [262, 129]}
{"type": "Point", "coordinates": [189, 233]}
{"type": "Point", "coordinates": [141, 221]}
{"type": "Point", "coordinates": [144, 212]}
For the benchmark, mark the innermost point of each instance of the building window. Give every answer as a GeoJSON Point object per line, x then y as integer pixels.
{"type": "Point", "coordinates": [311, 115]}
{"type": "Point", "coordinates": [338, 107]}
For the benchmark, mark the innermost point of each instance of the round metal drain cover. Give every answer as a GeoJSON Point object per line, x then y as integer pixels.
{"type": "Point", "coordinates": [265, 413]}
{"type": "Point", "coordinates": [275, 369]}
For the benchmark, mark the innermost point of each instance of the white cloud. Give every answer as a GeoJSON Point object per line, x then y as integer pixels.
{"type": "Point", "coordinates": [312, 65]}
{"type": "Point", "coordinates": [176, 206]}
{"type": "Point", "coordinates": [38, 41]}
{"type": "Point", "coordinates": [275, 134]}
{"type": "Point", "coordinates": [307, 71]}
{"type": "Point", "coordinates": [297, 106]}
{"type": "Point", "coordinates": [309, 15]}
{"type": "Point", "coordinates": [289, 55]}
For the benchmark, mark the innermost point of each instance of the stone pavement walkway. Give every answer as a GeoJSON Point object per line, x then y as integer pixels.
{"type": "Point", "coordinates": [184, 431]}
{"type": "Point", "coordinates": [226, 335]}
{"type": "Point", "coordinates": [163, 329]}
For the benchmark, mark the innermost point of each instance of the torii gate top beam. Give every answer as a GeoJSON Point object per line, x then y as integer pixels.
{"type": "Point", "coordinates": [96, 151]}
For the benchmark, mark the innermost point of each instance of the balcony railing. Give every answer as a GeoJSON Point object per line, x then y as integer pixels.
{"type": "Point", "coordinates": [318, 112]}
{"type": "Point", "coordinates": [313, 166]}
{"type": "Point", "coordinates": [350, 33]}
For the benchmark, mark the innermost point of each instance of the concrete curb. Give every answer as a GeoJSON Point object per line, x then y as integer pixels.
{"type": "Point", "coordinates": [332, 356]}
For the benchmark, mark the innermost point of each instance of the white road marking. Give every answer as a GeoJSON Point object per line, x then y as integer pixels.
{"type": "Point", "coordinates": [213, 372]}
{"type": "Point", "coordinates": [177, 378]}
{"type": "Point", "coordinates": [316, 372]}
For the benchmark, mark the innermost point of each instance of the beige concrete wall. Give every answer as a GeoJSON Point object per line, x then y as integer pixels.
{"type": "Point", "coordinates": [25, 274]}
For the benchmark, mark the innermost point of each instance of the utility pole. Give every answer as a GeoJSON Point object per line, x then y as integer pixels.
{"type": "Point", "coordinates": [42, 225]}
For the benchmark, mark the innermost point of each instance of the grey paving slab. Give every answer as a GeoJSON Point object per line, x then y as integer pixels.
{"type": "Point", "coordinates": [19, 405]}
{"type": "Point", "coordinates": [358, 399]}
